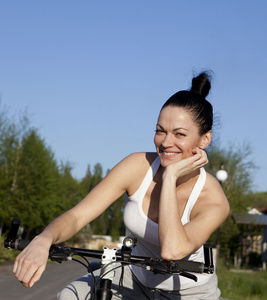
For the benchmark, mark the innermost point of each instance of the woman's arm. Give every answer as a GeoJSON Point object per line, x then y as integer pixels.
{"type": "Point", "coordinates": [31, 262]}
{"type": "Point", "coordinates": [178, 240]}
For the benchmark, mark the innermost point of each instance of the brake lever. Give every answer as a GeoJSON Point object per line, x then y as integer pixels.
{"type": "Point", "coordinates": [60, 254]}
{"type": "Point", "coordinates": [163, 267]}
{"type": "Point", "coordinates": [188, 275]}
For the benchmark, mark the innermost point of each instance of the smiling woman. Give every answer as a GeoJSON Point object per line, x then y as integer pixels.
{"type": "Point", "coordinates": [172, 206]}
{"type": "Point", "coordinates": [185, 122]}
{"type": "Point", "coordinates": [177, 135]}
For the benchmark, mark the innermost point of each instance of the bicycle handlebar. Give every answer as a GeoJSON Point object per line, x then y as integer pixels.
{"type": "Point", "coordinates": [156, 265]}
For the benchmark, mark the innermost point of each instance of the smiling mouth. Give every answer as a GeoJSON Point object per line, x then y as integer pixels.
{"type": "Point", "coordinates": [169, 153]}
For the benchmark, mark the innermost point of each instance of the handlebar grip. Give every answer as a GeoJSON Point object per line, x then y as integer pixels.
{"type": "Point", "coordinates": [187, 266]}
{"type": "Point", "coordinates": [13, 229]}
{"type": "Point", "coordinates": [21, 244]}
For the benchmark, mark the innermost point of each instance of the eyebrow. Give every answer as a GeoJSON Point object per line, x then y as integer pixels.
{"type": "Point", "coordinates": [175, 129]}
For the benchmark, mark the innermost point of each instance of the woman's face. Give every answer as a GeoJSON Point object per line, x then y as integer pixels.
{"type": "Point", "coordinates": [176, 135]}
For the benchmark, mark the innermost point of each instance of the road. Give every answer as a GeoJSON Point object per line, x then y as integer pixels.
{"type": "Point", "coordinates": [53, 280]}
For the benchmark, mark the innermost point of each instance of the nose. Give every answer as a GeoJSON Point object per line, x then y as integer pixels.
{"type": "Point", "coordinates": [167, 141]}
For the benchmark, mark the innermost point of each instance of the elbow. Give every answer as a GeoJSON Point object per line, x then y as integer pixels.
{"type": "Point", "coordinates": [169, 254]}
{"type": "Point", "coordinates": [177, 251]}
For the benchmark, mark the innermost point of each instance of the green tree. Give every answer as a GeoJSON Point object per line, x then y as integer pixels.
{"type": "Point", "coordinates": [258, 200]}
{"type": "Point", "coordinates": [239, 166]}
{"type": "Point", "coordinates": [37, 191]}
{"type": "Point", "coordinates": [110, 222]}
{"type": "Point", "coordinates": [86, 183]}
{"type": "Point", "coordinates": [116, 227]}
{"type": "Point", "coordinates": [97, 175]}
{"type": "Point", "coordinates": [11, 133]}
{"type": "Point", "coordinates": [71, 194]}
{"type": "Point", "coordinates": [101, 224]}
{"type": "Point", "coordinates": [9, 149]}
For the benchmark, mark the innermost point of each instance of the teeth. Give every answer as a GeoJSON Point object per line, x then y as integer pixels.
{"type": "Point", "coordinates": [168, 153]}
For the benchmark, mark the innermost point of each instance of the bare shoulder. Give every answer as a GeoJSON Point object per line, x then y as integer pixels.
{"type": "Point", "coordinates": [214, 195]}
{"type": "Point", "coordinates": [132, 169]}
{"type": "Point", "coordinates": [213, 186]}
{"type": "Point", "coordinates": [139, 159]}
{"type": "Point", "coordinates": [212, 200]}
{"type": "Point", "coordinates": [209, 212]}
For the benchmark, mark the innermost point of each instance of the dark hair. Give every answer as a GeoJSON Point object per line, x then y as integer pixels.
{"type": "Point", "coordinates": [194, 102]}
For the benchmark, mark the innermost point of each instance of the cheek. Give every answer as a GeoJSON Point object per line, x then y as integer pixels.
{"type": "Point", "coordinates": [157, 140]}
{"type": "Point", "coordinates": [188, 148]}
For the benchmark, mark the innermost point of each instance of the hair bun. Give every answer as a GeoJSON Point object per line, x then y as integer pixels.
{"type": "Point", "coordinates": [201, 84]}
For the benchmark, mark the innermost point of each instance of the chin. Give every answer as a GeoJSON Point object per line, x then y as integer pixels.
{"type": "Point", "coordinates": [166, 162]}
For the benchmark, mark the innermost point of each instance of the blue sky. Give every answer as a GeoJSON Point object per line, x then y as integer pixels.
{"type": "Point", "coordinates": [93, 75]}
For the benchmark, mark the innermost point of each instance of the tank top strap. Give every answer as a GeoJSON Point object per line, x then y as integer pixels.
{"type": "Point", "coordinates": [154, 167]}
{"type": "Point", "coordinates": [194, 196]}
{"type": "Point", "coordinates": [150, 175]}
{"type": "Point", "coordinates": [140, 193]}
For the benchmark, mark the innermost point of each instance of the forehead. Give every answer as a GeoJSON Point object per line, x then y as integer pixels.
{"type": "Point", "coordinates": [176, 117]}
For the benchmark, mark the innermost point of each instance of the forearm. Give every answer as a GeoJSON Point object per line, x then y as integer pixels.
{"type": "Point", "coordinates": [173, 238]}
{"type": "Point", "coordinates": [60, 229]}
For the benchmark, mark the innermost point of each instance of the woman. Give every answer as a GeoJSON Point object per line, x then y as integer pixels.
{"type": "Point", "coordinates": [172, 206]}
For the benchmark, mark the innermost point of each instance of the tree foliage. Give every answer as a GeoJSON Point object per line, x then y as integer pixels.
{"type": "Point", "coordinates": [258, 200]}
{"type": "Point", "coordinates": [238, 186]}
{"type": "Point", "coordinates": [31, 184]}
{"type": "Point", "coordinates": [69, 186]}
{"type": "Point", "coordinates": [240, 167]}
{"type": "Point", "coordinates": [36, 186]}
{"type": "Point", "coordinates": [36, 189]}
{"type": "Point", "coordinates": [10, 143]}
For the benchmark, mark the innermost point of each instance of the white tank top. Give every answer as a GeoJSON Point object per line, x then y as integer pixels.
{"type": "Point", "coordinates": [146, 232]}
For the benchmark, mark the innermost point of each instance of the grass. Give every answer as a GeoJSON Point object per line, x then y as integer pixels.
{"type": "Point", "coordinates": [242, 284]}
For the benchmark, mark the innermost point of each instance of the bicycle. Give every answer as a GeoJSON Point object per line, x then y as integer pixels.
{"type": "Point", "coordinates": [101, 289]}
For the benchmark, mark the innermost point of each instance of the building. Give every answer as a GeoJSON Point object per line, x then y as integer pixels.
{"type": "Point", "coordinates": [254, 221]}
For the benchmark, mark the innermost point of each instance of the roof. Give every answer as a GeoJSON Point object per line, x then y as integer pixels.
{"type": "Point", "coordinates": [263, 210]}
{"type": "Point", "coordinates": [243, 218]}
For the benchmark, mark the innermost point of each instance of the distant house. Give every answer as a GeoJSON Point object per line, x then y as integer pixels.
{"type": "Point", "coordinates": [263, 210]}
{"type": "Point", "coordinates": [254, 243]}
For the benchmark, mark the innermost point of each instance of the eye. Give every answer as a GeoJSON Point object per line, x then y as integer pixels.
{"type": "Point", "coordinates": [179, 134]}
{"type": "Point", "coordinates": [159, 131]}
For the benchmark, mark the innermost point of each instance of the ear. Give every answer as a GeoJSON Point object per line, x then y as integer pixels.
{"type": "Point", "coordinates": [205, 140]}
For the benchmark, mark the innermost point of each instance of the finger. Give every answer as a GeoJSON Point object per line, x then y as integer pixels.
{"type": "Point", "coordinates": [22, 264]}
{"type": "Point", "coordinates": [26, 269]}
{"type": "Point", "coordinates": [195, 151]}
{"type": "Point", "coordinates": [24, 284]}
{"type": "Point", "coordinates": [22, 271]}
{"type": "Point", "coordinates": [28, 272]}
{"type": "Point", "coordinates": [199, 159]}
{"type": "Point", "coordinates": [196, 155]}
{"type": "Point", "coordinates": [18, 268]}
{"type": "Point", "coordinates": [36, 276]}
{"type": "Point", "coordinates": [18, 264]}
{"type": "Point", "coordinates": [15, 266]}
{"type": "Point", "coordinates": [204, 154]}
{"type": "Point", "coordinates": [204, 159]}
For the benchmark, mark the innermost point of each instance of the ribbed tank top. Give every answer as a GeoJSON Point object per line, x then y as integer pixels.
{"type": "Point", "coordinates": [146, 232]}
